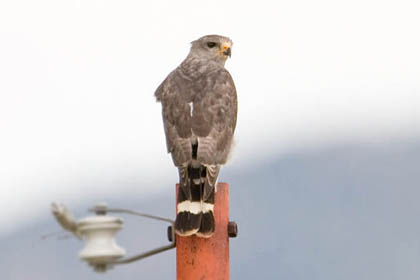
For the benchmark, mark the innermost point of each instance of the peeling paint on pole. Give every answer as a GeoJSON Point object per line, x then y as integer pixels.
{"type": "Point", "coordinates": [207, 258]}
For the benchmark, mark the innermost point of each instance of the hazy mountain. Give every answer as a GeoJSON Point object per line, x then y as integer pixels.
{"type": "Point", "coordinates": [348, 212]}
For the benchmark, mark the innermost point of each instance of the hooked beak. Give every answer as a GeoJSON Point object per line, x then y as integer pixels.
{"type": "Point", "coordinates": [227, 52]}
{"type": "Point", "coordinates": [226, 49]}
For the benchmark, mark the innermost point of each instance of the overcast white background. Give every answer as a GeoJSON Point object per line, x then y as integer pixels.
{"type": "Point", "coordinates": [77, 113]}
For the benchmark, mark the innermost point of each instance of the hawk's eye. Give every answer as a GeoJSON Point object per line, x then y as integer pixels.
{"type": "Point", "coordinates": [211, 44]}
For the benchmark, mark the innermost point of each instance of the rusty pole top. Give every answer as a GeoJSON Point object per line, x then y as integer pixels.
{"type": "Point", "coordinates": [208, 258]}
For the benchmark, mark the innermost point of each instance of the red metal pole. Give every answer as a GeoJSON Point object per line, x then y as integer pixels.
{"type": "Point", "coordinates": [207, 258]}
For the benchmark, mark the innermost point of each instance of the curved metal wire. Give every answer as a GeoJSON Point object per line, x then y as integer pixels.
{"type": "Point", "coordinates": [145, 254]}
{"type": "Point", "coordinates": [135, 213]}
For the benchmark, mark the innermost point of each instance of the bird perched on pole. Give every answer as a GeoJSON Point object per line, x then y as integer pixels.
{"type": "Point", "coordinates": [199, 110]}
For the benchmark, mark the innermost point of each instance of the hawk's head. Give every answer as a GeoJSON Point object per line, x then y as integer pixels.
{"type": "Point", "coordinates": [212, 47]}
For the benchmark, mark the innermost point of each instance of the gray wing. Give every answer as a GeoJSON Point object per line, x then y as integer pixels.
{"type": "Point", "coordinates": [176, 117]}
{"type": "Point", "coordinates": [213, 119]}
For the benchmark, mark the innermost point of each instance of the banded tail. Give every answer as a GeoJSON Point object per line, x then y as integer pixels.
{"type": "Point", "coordinates": [196, 200]}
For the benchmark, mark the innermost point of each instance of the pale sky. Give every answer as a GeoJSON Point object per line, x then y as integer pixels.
{"type": "Point", "coordinates": [77, 113]}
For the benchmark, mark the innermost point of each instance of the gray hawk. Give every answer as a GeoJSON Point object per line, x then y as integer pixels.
{"type": "Point", "coordinates": [199, 110]}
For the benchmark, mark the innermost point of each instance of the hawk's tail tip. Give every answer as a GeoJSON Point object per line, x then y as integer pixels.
{"type": "Point", "coordinates": [207, 226]}
{"type": "Point", "coordinates": [191, 221]}
{"type": "Point", "coordinates": [195, 203]}
{"type": "Point", "coordinates": [187, 224]}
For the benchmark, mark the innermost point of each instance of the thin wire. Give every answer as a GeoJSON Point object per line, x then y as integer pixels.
{"type": "Point", "coordinates": [119, 210]}
{"type": "Point", "coordinates": [145, 255]}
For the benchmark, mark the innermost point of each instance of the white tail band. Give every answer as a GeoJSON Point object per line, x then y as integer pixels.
{"type": "Point", "coordinates": [194, 207]}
